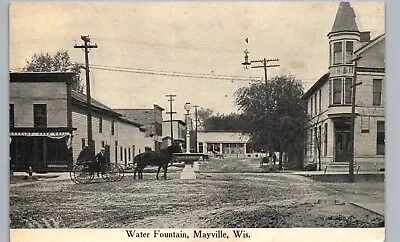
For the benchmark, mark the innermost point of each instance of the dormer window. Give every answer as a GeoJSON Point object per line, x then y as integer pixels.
{"type": "Point", "coordinates": [337, 53]}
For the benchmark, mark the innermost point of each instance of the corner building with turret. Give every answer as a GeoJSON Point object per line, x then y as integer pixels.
{"type": "Point", "coordinates": [353, 55]}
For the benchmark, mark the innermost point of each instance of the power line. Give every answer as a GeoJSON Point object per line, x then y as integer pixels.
{"type": "Point", "coordinates": [184, 74]}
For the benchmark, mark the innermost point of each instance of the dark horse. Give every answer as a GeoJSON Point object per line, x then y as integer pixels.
{"type": "Point", "coordinates": [159, 158]}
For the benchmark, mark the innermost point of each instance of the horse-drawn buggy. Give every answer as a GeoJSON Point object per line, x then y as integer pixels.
{"type": "Point", "coordinates": [88, 165]}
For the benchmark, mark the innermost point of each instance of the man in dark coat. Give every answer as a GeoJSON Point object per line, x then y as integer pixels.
{"type": "Point", "coordinates": [100, 160]}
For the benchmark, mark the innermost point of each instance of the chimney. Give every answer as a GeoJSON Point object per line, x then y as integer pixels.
{"type": "Point", "coordinates": [365, 36]}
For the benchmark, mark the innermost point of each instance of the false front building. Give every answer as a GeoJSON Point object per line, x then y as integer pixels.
{"type": "Point", "coordinates": [330, 98]}
{"type": "Point", "coordinates": [48, 124]}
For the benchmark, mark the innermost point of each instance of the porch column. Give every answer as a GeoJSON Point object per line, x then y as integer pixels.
{"type": "Point", "coordinates": [220, 148]}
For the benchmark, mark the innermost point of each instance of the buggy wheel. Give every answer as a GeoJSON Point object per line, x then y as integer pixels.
{"type": "Point", "coordinates": [82, 174]}
{"type": "Point", "coordinates": [121, 172]}
{"type": "Point", "coordinates": [111, 172]}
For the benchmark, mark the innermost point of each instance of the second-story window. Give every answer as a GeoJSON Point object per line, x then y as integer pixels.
{"type": "Point", "coordinates": [11, 115]}
{"type": "Point", "coordinates": [337, 91]}
{"type": "Point", "coordinates": [315, 103]}
{"type": "Point", "coordinates": [100, 124]}
{"type": "Point", "coordinates": [349, 51]}
{"type": "Point", "coordinates": [311, 105]}
{"type": "Point", "coordinates": [337, 53]}
{"type": "Point", "coordinates": [320, 101]}
{"type": "Point", "coordinates": [377, 92]}
{"type": "Point", "coordinates": [39, 115]}
{"type": "Point", "coordinates": [112, 127]}
{"type": "Point", "coordinates": [347, 90]}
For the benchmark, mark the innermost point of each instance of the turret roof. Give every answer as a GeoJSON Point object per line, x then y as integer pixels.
{"type": "Point", "coordinates": [345, 19]}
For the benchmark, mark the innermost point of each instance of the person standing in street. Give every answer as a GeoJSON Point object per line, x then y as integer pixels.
{"type": "Point", "coordinates": [100, 160]}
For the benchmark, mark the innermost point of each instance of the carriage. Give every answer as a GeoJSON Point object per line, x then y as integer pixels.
{"type": "Point", "coordinates": [86, 168]}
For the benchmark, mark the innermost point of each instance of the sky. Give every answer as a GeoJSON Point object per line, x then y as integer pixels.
{"type": "Point", "coordinates": [190, 37]}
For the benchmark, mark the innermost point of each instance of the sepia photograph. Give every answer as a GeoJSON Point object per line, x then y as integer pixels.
{"type": "Point", "coordinates": [196, 115]}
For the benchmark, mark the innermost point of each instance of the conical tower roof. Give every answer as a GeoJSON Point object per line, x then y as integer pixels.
{"type": "Point", "coordinates": [345, 19]}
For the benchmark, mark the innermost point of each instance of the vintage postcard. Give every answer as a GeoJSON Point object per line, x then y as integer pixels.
{"type": "Point", "coordinates": [225, 121]}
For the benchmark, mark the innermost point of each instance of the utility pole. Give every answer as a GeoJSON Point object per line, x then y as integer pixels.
{"type": "Point", "coordinates": [171, 96]}
{"type": "Point", "coordinates": [195, 116]}
{"type": "Point", "coordinates": [264, 65]}
{"type": "Point", "coordinates": [353, 117]}
{"type": "Point", "coordinates": [86, 47]}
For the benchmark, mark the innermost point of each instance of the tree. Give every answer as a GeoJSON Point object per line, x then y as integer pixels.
{"type": "Point", "coordinates": [60, 62]}
{"type": "Point", "coordinates": [222, 122]}
{"type": "Point", "coordinates": [286, 111]}
{"type": "Point", "coordinates": [202, 115]}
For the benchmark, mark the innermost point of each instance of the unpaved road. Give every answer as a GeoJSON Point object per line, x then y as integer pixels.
{"type": "Point", "coordinates": [213, 200]}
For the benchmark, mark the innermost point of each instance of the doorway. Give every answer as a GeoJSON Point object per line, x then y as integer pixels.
{"type": "Point", "coordinates": [342, 142]}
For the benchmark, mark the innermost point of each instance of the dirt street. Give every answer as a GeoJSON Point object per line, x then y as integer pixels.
{"type": "Point", "coordinates": [257, 200]}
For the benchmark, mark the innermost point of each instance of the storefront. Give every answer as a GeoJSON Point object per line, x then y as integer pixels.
{"type": "Point", "coordinates": [44, 149]}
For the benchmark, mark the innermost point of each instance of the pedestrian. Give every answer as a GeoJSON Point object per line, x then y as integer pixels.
{"type": "Point", "coordinates": [100, 160]}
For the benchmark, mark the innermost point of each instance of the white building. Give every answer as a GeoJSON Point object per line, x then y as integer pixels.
{"type": "Point", "coordinates": [226, 143]}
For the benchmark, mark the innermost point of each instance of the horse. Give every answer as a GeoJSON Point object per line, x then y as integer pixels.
{"type": "Point", "coordinates": [159, 158]}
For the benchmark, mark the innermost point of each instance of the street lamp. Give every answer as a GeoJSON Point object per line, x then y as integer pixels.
{"type": "Point", "coordinates": [187, 107]}
{"type": "Point", "coordinates": [264, 65]}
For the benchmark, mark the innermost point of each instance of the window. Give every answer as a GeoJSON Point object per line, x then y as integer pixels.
{"type": "Point", "coordinates": [200, 147]}
{"type": "Point", "coordinates": [133, 151]}
{"type": "Point", "coordinates": [349, 51]}
{"type": "Point", "coordinates": [330, 92]}
{"type": "Point", "coordinates": [40, 115]}
{"type": "Point", "coordinates": [311, 106]}
{"type": "Point", "coordinates": [116, 151]}
{"type": "Point", "coordinates": [102, 144]}
{"type": "Point", "coordinates": [121, 153]}
{"type": "Point", "coordinates": [100, 125]}
{"type": "Point", "coordinates": [337, 91]}
{"type": "Point", "coordinates": [377, 92]}
{"type": "Point", "coordinates": [83, 143]}
{"type": "Point", "coordinates": [325, 139]}
{"type": "Point", "coordinates": [380, 138]}
{"type": "Point", "coordinates": [320, 101]}
{"type": "Point", "coordinates": [337, 53]}
{"type": "Point", "coordinates": [319, 139]}
{"type": "Point", "coordinates": [129, 154]}
{"type": "Point", "coordinates": [315, 103]}
{"type": "Point", "coordinates": [112, 127]}
{"type": "Point", "coordinates": [305, 142]}
{"type": "Point", "coordinates": [11, 115]}
{"type": "Point", "coordinates": [347, 90]}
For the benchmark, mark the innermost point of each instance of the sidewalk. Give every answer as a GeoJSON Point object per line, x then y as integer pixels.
{"type": "Point", "coordinates": [378, 208]}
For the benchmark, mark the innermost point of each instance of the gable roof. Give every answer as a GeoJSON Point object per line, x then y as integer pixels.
{"type": "Point", "coordinates": [321, 81]}
{"type": "Point", "coordinates": [370, 44]}
{"type": "Point", "coordinates": [80, 99]}
{"type": "Point", "coordinates": [345, 19]}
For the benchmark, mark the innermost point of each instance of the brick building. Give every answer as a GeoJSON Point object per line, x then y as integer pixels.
{"type": "Point", "coordinates": [330, 98]}
{"type": "Point", "coordinates": [178, 129]}
{"type": "Point", "coordinates": [151, 119]}
{"type": "Point", "coordinates": [48, 124]}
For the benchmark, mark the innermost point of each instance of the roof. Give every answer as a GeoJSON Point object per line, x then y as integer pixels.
{"type": "Point", "coordinates": [124, 119]}
{"type": "Point", "coordinates": [321, 81]}
{"type": "Point", "coordinates": [345, 19]}
{"type": "Point", "coordinates": [41, 76]}
{"type": "Point", "coordinates": [81, 99]}
{"type": "Point", "coordinates": [175, 120]}
{"type": "Point", "coordinates": [370, 44]}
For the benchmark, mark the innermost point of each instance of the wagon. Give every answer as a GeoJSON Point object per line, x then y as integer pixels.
{"type": "Point", "coordinates": [86, 168]}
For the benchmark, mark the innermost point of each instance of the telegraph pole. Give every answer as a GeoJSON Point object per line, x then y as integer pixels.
{"type": "Point", "coordinates": [195, 115]}
{"type": "Point", "coordinates": [264, 65]}
{"type": "Point", "coordinates": [171, 96]}
{"type": "Point", "coordinates": [86, 47]}
{"type": "Point", "coordinates": [353, 117]}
